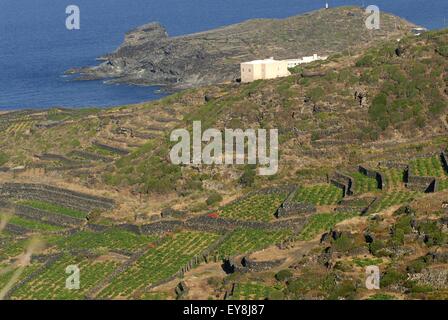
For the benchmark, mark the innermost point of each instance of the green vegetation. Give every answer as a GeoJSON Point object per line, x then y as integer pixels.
{"type": "Point", "coordinates": [159, 263]}
{"type": "Point", "coordinates": [247, 179]}
{"type": "Point", "coordinates": [51, 284]}
{"type": "Point", "coordinates": [283, 275]}
{"type": "Point", "coordinates": [54, 208]}
{"type": "Point", "coordinates": [113, 239]}
{"type": "Point", "coordinates": [252, 291]}
{"type": "Point", "coordinates": [213, 198]}
{"type": "Point", "coordinates": [257, 207]}
{"type": "Point", "coordinates": [434, 235]}
{"type": "Point", "coordinates": [393, 178]}
{"type": "Point", "coordinates": [3, 158]}
{"type": "Point", "coordinates": [392, 199]}
{"type": "Point", "coordinates": [364, 184]}
{"type": "Point", "coordinates": [33, 225]}
{"type": "Point", "coordinates": [147, 167]}
{"type": "Point", "coordinates": [367, 262]}
{"type": "Point", "coordinates": [249, 240]}
{"type": "Point", "coordinates": [322, 222]}
{"type": "Point", "coordinates": [12, 249]}
{"type": "Point", "coordinates": [427, 167]}
{"type": "Point", "coordinates": [6, 276]}
{"type": "Point", "coordinates": [319, 195]}
{"type": "Point", "coordinates": [381, 296]}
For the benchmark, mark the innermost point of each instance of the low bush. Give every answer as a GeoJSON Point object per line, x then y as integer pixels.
{"type": "Point", "coordinates": [283, 275]}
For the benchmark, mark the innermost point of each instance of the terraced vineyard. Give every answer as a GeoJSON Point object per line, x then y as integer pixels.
{"type": "Point", "coordinates": [258, 207]}
{"type": "Point", "coordinates": [427, 167]}
{"type": "Point", "coordinates": [7, 273]}
{"type": "Point", "coordinates": [248, 240]}
{"type": "Point", "coordinates": [443, 184]}
{"type": "Point", "coordinates": [319, 223]}
{"type": "Point", "coordinates": [252, 291]}
{"type": "Point", "coordinates": [51, 283]}
{"type": "Point", "coordinates": [159, 263]}
{"type": "Point", "coordinates": [391, 199]}
{"type": "Point", "coordinates": [12, 248]}
{"type": "Point", "coordinates": [33, 225]}
{"type": "Point", "coordinates": [19, 127]}
{"type": "Point", "coordinates": [54, 208]}
{"type": "Point", "coordinates": [393, 178]}
{"type": "Point", "coordinates": [364, 184]}
{"type": "Point", "coordinates": [319, 195]}
{"type": "Point", "coordinates": [112, 239]}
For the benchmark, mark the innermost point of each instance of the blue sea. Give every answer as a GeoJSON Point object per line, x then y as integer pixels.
{"type": "Point", "coordinates": [36, 48]}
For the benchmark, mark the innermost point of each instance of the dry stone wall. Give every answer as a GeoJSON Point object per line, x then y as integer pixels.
{"type": "Point", "coordinates": [63, 197]}
{"type": "Point", "coordinates": [378, 176]}
{"type": "Point", "coordinates": [344, 182]}
{"type": "Point", "coordinates": [46, 217]}
{"type": "Point", "coordinates": [290, 207]}
{"type": "Point", "coordinates": [113, 149]}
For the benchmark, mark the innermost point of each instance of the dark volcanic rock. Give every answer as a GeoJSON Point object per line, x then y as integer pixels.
{"type": "Point", "coordinates": [149, 56]}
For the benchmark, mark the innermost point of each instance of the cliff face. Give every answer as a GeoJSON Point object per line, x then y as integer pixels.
{"type": "Point", "coordinates": [149, 56]}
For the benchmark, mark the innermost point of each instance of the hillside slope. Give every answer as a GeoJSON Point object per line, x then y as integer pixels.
{"type": "Point", "coordinates": [387, 103]}
{"type": "Point", "coordinates": [149, 56]}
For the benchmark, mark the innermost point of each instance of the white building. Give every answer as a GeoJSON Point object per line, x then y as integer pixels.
{"type": "Point", "coordinates": [295, 62]}
{"type": "Point", "coordinates": [263, 69]}
{"type": "Point", "coordinates": [271, 69]}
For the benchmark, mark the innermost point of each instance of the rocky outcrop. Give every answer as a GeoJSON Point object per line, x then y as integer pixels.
{"type": "Point", "coordinates": [149, 56]}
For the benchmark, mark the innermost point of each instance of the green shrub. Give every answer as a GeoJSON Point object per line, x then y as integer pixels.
{"type": "Point", "coordinates": [248, 177]}
{"type": "Point", "coordinates": [367, 60]}
{"type": "Point", "coordinates": [434, 235]}
{"type": "Point", "coordinates": [213, 199]}
{"type": "Point", "coordinates": [443, 50]}
{"type": "Point", "coordinates": [344, 243]}
{"type": "Point", "coordinates": [416, 266]}
{"type": "Point", "coordinates": [345, 290]}
{"type": "Point", "coordinates": [316, 94]}
{"type": "Point", "coordinates": [378, 110]}
{"type": "Point", "coordinates": [3, 158]}
{"type": "Point", "coordinates": [283, 275]}
{"type": "Point", "coordinates": [381, 296]}
{"type": "Point", "coordinates": [377, 247]}
{"type": "Point", "coordinates": [276, 295]}
{"type": "Point", "coordinates": [392, 277]}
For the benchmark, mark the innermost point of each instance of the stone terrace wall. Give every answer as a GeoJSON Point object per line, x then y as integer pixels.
{"type": "Point", "coordinates": [54, 157]}
{"type": "Point", "coordinates": [393, 165]}
{"type": "Point", "coordinates": [116, 150]}
{"type": "Point", "coordinates": [47, 217]}
{"type": "Point", "coordinates": [17, 230]}
{"type": "Point", "coordinates": [345, 182]}
{"type": "Point", "coordinates": [444, 160]}
{"type": "Point", "coordinates": [161, 227]}
{"type": "Point", "coordinates": [360, 205]}
{"type": "Point", "coordinates": [422, 184]}
{"type": "Point", "coordinates": [250, 265]}
{"type": "Point", "coordinates": [64, 197]}
{"type": "Point", "coordinates": [51, 260]}
{"type": "Point", "coordinates": [290, 207]}
{"type": "Point", "coordinates": [209, 224]}
{"type": "Point", "coordinates": [90, 156]}
{"type": "Point", "coordinates": [375, 175]}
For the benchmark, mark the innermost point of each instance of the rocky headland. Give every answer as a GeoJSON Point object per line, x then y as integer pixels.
{"type": "Point", "coordinates": [149, 56]}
